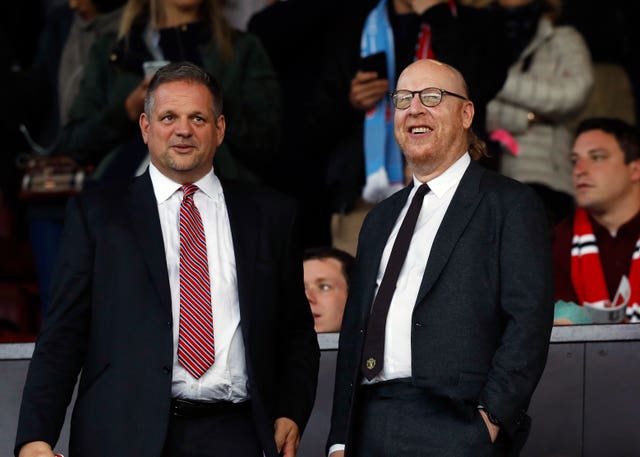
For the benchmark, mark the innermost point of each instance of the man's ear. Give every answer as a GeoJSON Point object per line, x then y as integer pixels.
{"type": "Point", "coordinates": [468, 111]}
{"type": "Point", "coordinates": [221, 125]}
{"type": "Point", "coordinates": [634, 166]}
{"type": "Point", "coordinates": [144, 126]}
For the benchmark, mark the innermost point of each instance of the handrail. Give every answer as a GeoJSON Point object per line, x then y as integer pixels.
{"type": "Point", "coordinates": [329, 341]}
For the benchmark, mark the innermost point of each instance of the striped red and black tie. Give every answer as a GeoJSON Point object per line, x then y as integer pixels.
{"type": "Point", "coordinates": [195, 338]}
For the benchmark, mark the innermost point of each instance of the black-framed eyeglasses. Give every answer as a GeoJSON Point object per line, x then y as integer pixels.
{"type": "Point", "coordinates": [429, 97]}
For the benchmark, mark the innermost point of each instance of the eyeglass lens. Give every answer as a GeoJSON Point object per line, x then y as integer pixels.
{"type": "Point", "coordinates": [429, 97]}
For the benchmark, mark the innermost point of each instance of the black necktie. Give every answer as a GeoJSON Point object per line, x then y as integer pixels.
{"type": "Point", "coordinates": [373, 353]}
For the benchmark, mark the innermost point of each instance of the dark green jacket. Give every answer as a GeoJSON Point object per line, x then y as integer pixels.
{"type": "Point", "coordinates": [99, 124]}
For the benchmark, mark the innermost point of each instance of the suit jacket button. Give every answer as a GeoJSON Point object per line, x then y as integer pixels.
{"type": "Point", "coordinates": [168, 323]}
{"type": "Point", "coordinates": [166, 370]}
{"type": "Point", "coordinates": [419, 324]}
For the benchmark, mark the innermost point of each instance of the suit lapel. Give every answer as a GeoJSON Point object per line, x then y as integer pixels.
{"type": "Point", "coordinates": [142, 208]}
{"type": "Point", "coordinates": [458, 215]}
{"type": "Point", "coordinates": [245, 231]}
{"type": "Point", "coordinates": [387, 218]}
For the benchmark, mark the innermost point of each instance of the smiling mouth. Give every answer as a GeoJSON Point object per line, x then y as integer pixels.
{"type": "Point", "coordinates": [419, 130]}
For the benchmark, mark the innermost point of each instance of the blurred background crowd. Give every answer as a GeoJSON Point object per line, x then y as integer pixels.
{"type": "Point", "coordinates": [301, 107]}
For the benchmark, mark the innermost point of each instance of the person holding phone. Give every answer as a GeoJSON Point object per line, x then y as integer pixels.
{"type": "Point", "coordinates": [370, 83]}
{"type": "Point", "coordinates": [365, 163]}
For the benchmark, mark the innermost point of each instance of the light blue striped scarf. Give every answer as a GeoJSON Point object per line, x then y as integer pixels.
{"type": "Point", "coordinates": [383, 159]}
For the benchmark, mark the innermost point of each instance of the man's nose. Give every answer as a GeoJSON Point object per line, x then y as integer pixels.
{"type": "Point", "coordinates": [579, 167]}
{"type": "Point", "coordinates": [183, 127]}
{"type": "Point", "coordinates": [311, 295]}
{"type": "Point", "coordinates": [416, 105]}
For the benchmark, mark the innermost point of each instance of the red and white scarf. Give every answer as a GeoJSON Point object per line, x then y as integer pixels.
{"type": "Point", "coordinates": [587, 275]}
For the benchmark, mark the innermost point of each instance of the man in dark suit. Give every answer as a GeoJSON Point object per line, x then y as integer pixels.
{"type": "Point", "coordinates": [181, 300]}
{"type": "Point", "coordinates": [446, 328]}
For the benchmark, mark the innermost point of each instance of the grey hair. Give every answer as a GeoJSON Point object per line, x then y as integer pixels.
{"type": "Point", "coordinates": [188, 72]}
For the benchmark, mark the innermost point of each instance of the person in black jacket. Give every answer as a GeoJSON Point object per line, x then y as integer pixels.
{"type": "Point", "coordinates": [446, 329]}
{"type": "Point", "coordinates": [178, 299]}
{"type": "Point", "coordinates": [289, 32]}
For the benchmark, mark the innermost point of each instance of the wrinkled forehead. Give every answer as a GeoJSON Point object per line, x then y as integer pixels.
{"type": "Point", "coordinates": [429, 73]}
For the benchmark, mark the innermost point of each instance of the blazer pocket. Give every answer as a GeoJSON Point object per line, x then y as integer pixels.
{"type": "Point", "coordinates": [483, 431]}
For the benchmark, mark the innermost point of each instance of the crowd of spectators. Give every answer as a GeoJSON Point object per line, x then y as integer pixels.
{"type": "Point", "coordinates": [307, 114]}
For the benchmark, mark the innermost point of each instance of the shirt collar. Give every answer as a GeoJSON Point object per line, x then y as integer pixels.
{"type": "Point", "coordinates": [449, 178]}
{"type": "Point", "coordinates": [164, 188]}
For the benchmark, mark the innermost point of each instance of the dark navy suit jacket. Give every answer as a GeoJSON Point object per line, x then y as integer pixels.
{"type": "Point", "coordinates": [111, 318]}
{"type": "Point", "coordinates": [484, 311]}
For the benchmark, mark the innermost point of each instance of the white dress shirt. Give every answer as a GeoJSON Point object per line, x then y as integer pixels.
{"type": "Point", "coordinates": [227, 378]}
{"type": "Point", "coordinates": [397, 346]}
{"type": "Point", "coordinates": [397, 340]}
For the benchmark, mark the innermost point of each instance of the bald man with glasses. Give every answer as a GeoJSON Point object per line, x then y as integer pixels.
{"type": "Point", "coordinates": [446, 328]}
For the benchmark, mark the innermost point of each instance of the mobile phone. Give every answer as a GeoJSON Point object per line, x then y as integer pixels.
{"type": "Point", "coordinates": [375, 62]}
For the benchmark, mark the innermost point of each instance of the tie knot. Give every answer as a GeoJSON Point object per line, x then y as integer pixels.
{"type": "Point", "coordinates": [189, 190]}
{"type": "Point", "coordinates": [423, 190]}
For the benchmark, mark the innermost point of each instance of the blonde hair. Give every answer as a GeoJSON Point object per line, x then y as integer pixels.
{"type": "Point", "coordinates": [152, 11]}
